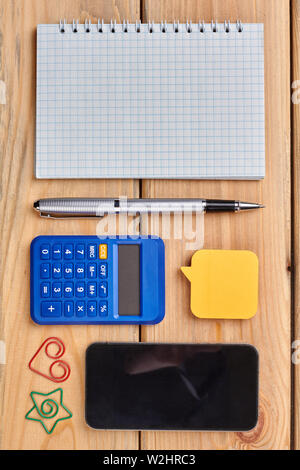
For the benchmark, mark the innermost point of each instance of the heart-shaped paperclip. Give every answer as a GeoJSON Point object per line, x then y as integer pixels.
{"type": "Point", "coordinates": [59, 353]}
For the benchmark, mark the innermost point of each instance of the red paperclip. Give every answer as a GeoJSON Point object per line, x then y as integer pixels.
{"type": "Point", "coordinates": [59, 353]}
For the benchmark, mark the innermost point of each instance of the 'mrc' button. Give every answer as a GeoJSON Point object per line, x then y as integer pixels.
{"type": "Point", "coordinates": [92, 251]}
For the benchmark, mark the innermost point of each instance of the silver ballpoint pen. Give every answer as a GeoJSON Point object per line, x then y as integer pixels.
{"type": "Point", "coordinates": [85, 207]}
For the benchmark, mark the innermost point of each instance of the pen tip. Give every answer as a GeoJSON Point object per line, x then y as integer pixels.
{"type": "Point", "coordinates": [243, 206]}
{"type": "Point", "coordinates": [36, 205]}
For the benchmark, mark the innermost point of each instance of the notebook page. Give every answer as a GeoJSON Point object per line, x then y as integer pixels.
{"type": "Point", "coordinates": [150, 105]}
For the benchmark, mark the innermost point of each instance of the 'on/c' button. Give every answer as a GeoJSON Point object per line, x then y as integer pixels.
{"type": "Point", "coordinates": [103, 251]}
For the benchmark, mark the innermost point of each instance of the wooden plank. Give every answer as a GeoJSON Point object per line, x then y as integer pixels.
{"type": "Point", "coordinates": [19, 225]}
{"type": "Point", "coordinates": [296, 206]}
{"type": "Point", "coordinates": [266, 232]}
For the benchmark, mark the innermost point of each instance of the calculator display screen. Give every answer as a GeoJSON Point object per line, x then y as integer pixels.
{"type": "Point", "coordinates": [129, 279]}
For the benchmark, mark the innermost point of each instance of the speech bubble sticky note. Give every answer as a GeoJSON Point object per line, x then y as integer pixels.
{"type": "Point", "coordinates": [224, 283]}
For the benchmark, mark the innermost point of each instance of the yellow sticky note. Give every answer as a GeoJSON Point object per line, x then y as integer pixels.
{"type": "Point", "coordinates": [224, 283]}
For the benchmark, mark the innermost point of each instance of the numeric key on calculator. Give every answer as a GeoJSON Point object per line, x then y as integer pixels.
{"type": "Point", "coordinates": [68, 271]}
{"type": "Point", "coordinates": [56, 289]}
{"type": "Point", "coordinates": [68, 251]}
{"type": "Point", "coordinates": [80, 289]}
{"type": "Point", "coordinates": [56, 251]}
{"type": "Point", "coordinates": [80, 252]}
{"type": "Point", "coordinates": [56, 270]}
{"type": "Point", "coordinates": [68, 289]}
{"type": "Point", "coordinates": [79, 271]}
{"type": "Point", "coordinates": [45, 251]}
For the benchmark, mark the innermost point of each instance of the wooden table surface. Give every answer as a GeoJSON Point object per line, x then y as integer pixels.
{"type": "Point", "coordinates": [273, 233]}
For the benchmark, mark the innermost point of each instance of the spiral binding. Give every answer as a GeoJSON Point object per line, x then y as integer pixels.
{"type": "Point", "coordinates": [87, 26]}
{"type": "Point", "coordinates": [152, 27]}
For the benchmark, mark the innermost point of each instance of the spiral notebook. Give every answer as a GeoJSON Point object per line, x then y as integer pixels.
{"type": "Point", "coordinates": [150, 101]}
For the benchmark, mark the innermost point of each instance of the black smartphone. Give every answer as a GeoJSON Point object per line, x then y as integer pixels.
{"type": "Point", "coordinates": [146, 386]}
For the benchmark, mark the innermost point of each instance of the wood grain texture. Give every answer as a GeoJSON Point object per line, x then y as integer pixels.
{"type": "Point", "coordinates": [19, 225]}
{"type": "Point", "coordinates": [296, 211]}
{"type": "Point", "coordinates": [266, 232]}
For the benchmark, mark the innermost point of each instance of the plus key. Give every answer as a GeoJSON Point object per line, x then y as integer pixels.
{"type": "Point", "coordinates": [51, 309]}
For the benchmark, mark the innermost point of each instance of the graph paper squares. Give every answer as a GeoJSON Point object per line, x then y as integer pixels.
{"type": "Point", "coordinates": [150, 105]}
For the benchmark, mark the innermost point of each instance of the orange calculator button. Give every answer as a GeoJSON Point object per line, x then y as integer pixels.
{"type": "Point", "coordinates": [103, 251]}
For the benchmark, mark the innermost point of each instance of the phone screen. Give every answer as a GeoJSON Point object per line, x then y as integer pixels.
{"type": "Point", "coordinates": [171, 386]}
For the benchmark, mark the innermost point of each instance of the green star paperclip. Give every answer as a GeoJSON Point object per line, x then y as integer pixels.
{"type": "Point", "coordinates": [48, 409]}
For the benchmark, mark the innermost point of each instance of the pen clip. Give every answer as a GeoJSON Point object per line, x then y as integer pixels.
{"type": "Point", "coordinates": [68, 217]}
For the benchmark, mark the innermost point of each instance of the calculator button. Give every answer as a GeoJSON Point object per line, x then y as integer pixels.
{"type": "Point", "coordinates": [56, 289]}
{"type": "Point", "coordinates": [56, 252]}
{"type": "Point", "coordinates": [68, 309]}
{"type": "Point", "coordinates": [103, 251]}
{"type": "Point", "coordinates": [92, 308]}
{"type": "Point", "coordinates": [79, 271]}
{"type": "Point", "coordinates": [91, 270]}
{"type": "Point", "coordinates": [80, 289]}
{"type": "Point", "coordinates": [92, 251]}
{"type": "Point", "coordinates": [103, 289]}
{"type": "Point", "coordinates": [68, 289]}
{"type": "Point", "coordinates": [45, 251]}
{"type": "Point", "coordinates": [45, 289]}
{"type": "Point", "coordinates": [68, 251]}
{"type": "Point", "coordinates": [56, 270]}
{"type": "Point", "coordinates": [68, 271]}
{"type": "Point", "coordinates": [103, 308]}
{"type": "Point", "coordinates": [79, 252]}
{"type": "Point", "coordinates": [103, 270]}
{"type": "Point", "coordinates": [80, 308]}
{"type": "Point", "coordinates": [92, 289]}
{"type": "Point", "coordinates": [51, 309]}
{"type": "Point", "coordinates": [45, 270]}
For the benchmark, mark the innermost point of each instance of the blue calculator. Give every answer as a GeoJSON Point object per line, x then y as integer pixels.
{"type": "Point", "coordinates": [88, 280]}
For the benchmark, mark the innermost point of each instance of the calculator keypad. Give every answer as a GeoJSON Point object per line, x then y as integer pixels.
{"type": "Point", "coordinates": [73, 280]}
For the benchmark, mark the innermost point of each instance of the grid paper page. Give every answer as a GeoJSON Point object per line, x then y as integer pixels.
{"type": "Point", "coordinates": [150, 105]}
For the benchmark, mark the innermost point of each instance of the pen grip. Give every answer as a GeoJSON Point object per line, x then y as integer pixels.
{"type": "Point", "coordinates": [214, 205]}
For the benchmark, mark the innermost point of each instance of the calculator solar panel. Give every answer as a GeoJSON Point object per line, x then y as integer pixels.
{"type": "Point", "coordinates": [85, 280]}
